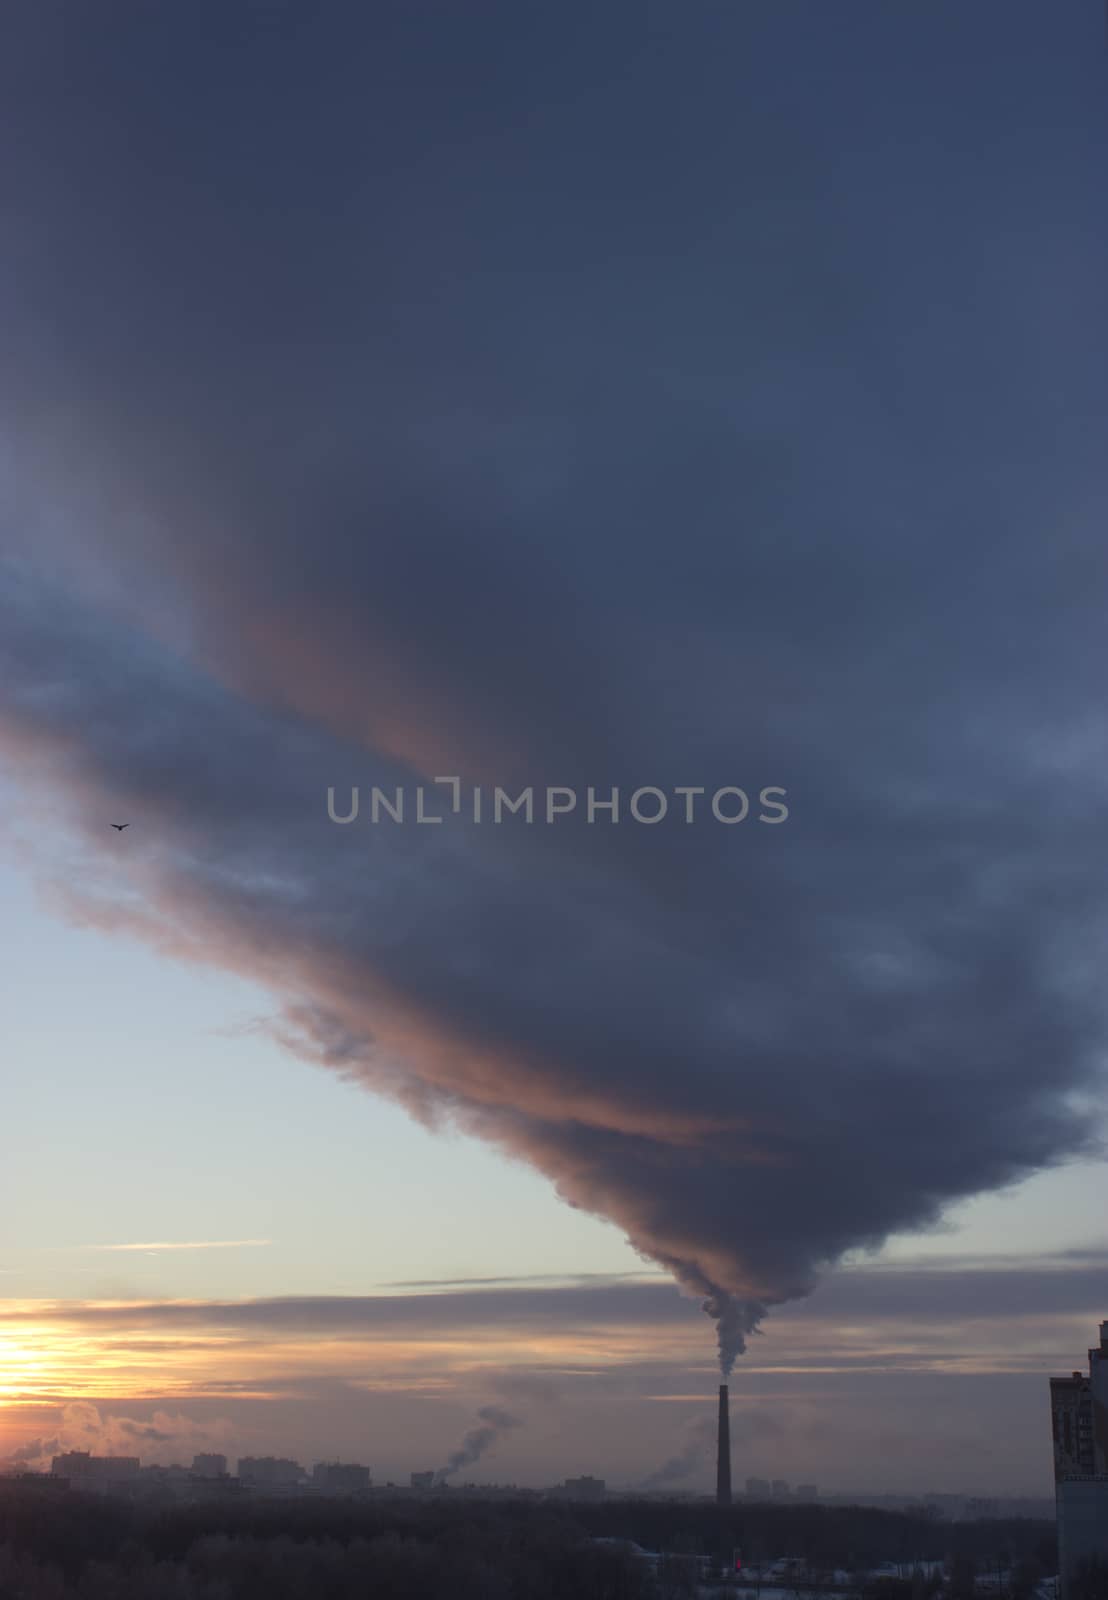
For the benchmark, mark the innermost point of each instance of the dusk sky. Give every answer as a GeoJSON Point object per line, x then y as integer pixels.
{"type": "Point", "coordinates": [686, 397]}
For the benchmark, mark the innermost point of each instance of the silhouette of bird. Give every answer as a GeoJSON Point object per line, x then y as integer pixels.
{"type": "Point", "coordinates": [119, 826]}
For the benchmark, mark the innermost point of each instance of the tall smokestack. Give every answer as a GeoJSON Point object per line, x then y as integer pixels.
{"type": "Point", "coordinates": [723, 1463]}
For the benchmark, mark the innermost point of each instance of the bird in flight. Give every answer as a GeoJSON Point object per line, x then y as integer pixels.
{"type": "Point", "coordinates": [119, 826]}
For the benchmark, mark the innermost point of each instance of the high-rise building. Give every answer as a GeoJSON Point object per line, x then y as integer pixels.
{"type": "Point", "coordinates": [1071, 1404]}
{"type": "Point", "coordinates": [1098, 1378]}
{"type": "Point", "coordinates": [779, 1489]}
{"type": "Point", "coordinates": [209, 1466]}
{"type": "Point", "coordinates": [1079, 1418]}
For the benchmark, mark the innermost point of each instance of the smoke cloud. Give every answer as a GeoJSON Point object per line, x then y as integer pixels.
{"type": "Point", "coordinates": [165, 1438]}
{"type": "Point", "coordinates": [687, 1460]}
{"type": "Point", "coordinates": [295, 505]}
{"type": "Point", "coordinates": [478, 1441]}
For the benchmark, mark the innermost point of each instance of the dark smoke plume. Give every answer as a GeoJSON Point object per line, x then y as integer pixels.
{"type": "Point", "coordinates": [478, 1441]}
{"type": "Point", "coordinates": [288, 509]}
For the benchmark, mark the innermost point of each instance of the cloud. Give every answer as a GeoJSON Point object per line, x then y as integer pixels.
{"type": "Point", "coordinates": [285, 512]}
{"type": "Point", "coordinates": [204, 1244]}
{"type": "Point", "coordinates": [520, 1308]}
{"type": "Point", "coordinates": [566, 1279]}
{"type": "Point", "coordinates": [931, 1297]}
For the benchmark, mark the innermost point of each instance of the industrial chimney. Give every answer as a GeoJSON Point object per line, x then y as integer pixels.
{"type": "Point", "coordinates": [723, 1464]}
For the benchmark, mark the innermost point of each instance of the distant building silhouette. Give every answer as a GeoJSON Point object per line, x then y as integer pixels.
{"type": "Point", "coordinates": [807, 1492]}
{"type": "Point", "coordinates": [340, 1477]}
{"type": "Point", "coordinates": [270, 1472]}
{"type": "Point", "coordinates": [209, 1466]}
{"type": "Point", "coordinates": [1079, 1418]}
{"type": "Point", "coordinates": [422, 1480]}
{"type": "Point", "coordinates": [585, 1488]}
{"type": "Point", "coordinates": [779, 1489]}
{"type": "Point", "coordinates": [757, 1488]}
{"type": "Point", "coordinates": [98, 1474]}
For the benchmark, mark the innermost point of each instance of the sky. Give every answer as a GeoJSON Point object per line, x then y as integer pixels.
{"type": "Point", "coordinates": [686, 400]}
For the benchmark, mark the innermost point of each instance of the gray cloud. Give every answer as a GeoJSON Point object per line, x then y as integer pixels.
{"type": "Point", "coordinates": [929, 1296]}
{"type": "Point", "coordinates": [350, 451]}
